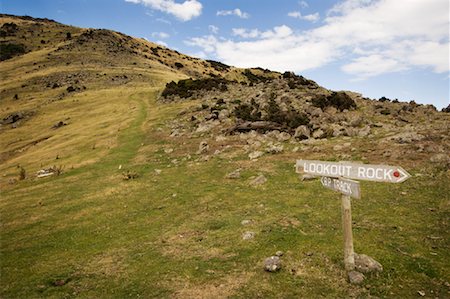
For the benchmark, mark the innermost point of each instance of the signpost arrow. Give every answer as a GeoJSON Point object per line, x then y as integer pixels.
{"type": "Point", "coordinates": [345, 186]}
{"type": "Point", "coordinates": [367, 172]}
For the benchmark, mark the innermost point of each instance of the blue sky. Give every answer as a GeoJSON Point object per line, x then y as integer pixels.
{"type": "Point", "coordinates": [393, 48]}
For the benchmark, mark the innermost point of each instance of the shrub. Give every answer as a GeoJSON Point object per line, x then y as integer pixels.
{"type": "Point", "coordinates": [179, 65]}
{"type": "Point", "coordinates": [290, 119]}
{"type": "Point", "coordinates": [22, 173]}
{"type": "Point", "coordinates": [8, 51]}
{"type": "Point", "coordinates": [274, 112]}
{"type": "Point", "coordinates": [218, 66]}
{"type": "Point", "coordinates": [295, 81]}
{"type": "Point", "coordinates": [247, 112]}
{"type": "Point", "coordinates": [186, 88]}
{"type": "Point", "coordinates": [339, 100]}
{"type": "Point", "coordinates": [253, 78]}
{"type": "Point", "coordinates": [447, 109]}
{"type": "Point", "coordinates": [8, 29]}
{"type": "Point", "coordinates": [68, 35]}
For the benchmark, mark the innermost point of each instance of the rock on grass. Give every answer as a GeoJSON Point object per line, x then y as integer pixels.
{"type": "Point", "coordinates": [366, 264]}
{"type": "Point", "coordinates": [355, 277]}
{"type": "Point", "coordinates": [272, 264]}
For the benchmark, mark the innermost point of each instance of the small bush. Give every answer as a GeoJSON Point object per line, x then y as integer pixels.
{"type": "Point", "coordinates": [179, 65]}
{"type": "Point", "coordinates": [295, 81]}
{"type": "Point", "coordinates": [8, 29]}
{"type": "Point", "coordinates": [22, 173]}
{"type": "Point", "coordinates": [290, 119]}
{"type": "Point", "coordinates": [8, 51]}
{"type": "Point", "coordinates": [247, 112]}
{"type": "Point", "coordinates": [253, 78]}
{"type": "Point", "coordinates": [186, 88]}
{"type": "Point", "coordinates": [338, 100]}
{"type": "Point", "coordinates": [447, 109]}
{"type": "Point", "coordinates": [218, 66]}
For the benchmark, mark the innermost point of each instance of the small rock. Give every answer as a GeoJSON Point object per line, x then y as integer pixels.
{"type": "Point", "coordinates": [364, 131]}
{"type": "Point", "coordinates": [158, 171]}
{"type": "Point", "coordinates": [317, 134]}
{"type": "Point", "coordinates": [279, 253]}
{"type": "Point", "coordinates": [221, 138]}
{"type": "Point", "coordinates": [59, 282]}
{"type": "Point", "coordinates": [307, 177]}
{"type": "Point", "coordinates": [283, 136]}
{"type": "Point", "coordinates": [302, 132]}
{"type": "Point", "coordinates": [59, 125]}
{"type": "Point", "coordinates": [203, 147]}
{"type": "Point", "coordinates": [168, 150]}
{"type": "Point", "coordinates": [234, 174]}
{"type": "Point", "coordinates": [176, 133]}
{"type": "Point", "coordinates": [248, 235]}
{"type": "Point", "coordinates": [407, 137]}
{"type": "Point", "coordinates": [246, 222]}
{"type": "Point", "coordinates": [272, 264]}
{"type": "Point", "coordinates": [440, 159]}
{"type": "Point", "coordinates": [366, 264]}
{"type": "Point", "coordinates": [355, 277]}
{"type": "Point", "coordinates": [259, 180]}
{"type": "Point", "coordinates": [274, 149]}
{"type": "Point", "coordinates": [224, 114]}
{"type": "Point", "coordinates": [255, 155]}
{"type": "Point", "coordinates": [337, 147]}
{"type": "Point", "coordinates": [421, 293]}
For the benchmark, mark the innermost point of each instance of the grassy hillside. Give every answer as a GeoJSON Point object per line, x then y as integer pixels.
{"type": "Point", "coordinates": [175, 228]}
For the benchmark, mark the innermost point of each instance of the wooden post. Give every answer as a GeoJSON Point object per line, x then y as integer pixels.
{"type": "Point", "coordinates": [349, 254]}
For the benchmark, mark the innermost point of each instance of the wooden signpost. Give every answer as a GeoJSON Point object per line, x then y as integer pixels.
{"type": "Point", "coordinates": [337, 176]}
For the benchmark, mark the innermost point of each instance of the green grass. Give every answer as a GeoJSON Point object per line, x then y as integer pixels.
{"type": "Point", "coordinates": [179, 234]}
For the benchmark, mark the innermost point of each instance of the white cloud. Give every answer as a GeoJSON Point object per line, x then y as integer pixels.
{"type": "Point", "coordinates": [246, 33]}
{"type": "Point", "coordinates": [184, 11]}
{"type": "Point", "coordinates": [161, 20]}
{"type": "Point", "coordinates": [368, 37]}
{"type": "Point", "coordinates": [311, 17]}
{"type": "Point", "coordinates": [207, 43]}
{"type": "Point", "coordinates": [162, 35]}
{"type": "Point", "coordinates": [303, 4]}
{"type": "Point", "coordinates": [160, 42]}
{"type": "Point", "coordinates": [373, 65]}
{"type": "Point", "coordinates": [213, 29]}
{"type": "Point", "coordinates": [235, 12]}
{"type": "Point", "coordinates": [277, 32]}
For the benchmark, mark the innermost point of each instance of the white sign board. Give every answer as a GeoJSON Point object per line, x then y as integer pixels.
{"type": "Point", "coordinates": [357, 171]}
{"type": "Point", "coordinates": [345, 186]}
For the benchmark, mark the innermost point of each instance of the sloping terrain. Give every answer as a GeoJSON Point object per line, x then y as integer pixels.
{"type": "Point", "coordinates": [117, 182]}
